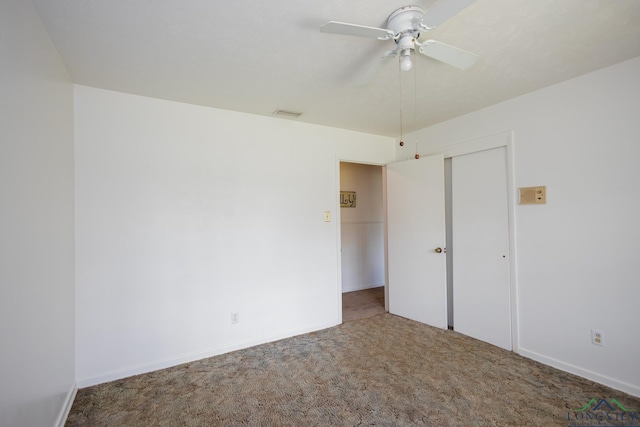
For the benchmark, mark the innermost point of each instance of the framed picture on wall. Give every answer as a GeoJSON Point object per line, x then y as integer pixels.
{"type": "Point", "coordinates": [347, 199]}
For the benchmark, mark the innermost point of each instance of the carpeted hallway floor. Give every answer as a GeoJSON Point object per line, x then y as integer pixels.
{"type": "Point", "coordinates": [362, 304]}
{"type": "Point", "coordinates": [383, 370]}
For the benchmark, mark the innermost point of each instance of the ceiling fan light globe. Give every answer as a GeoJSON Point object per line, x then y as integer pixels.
{"type": "Point", "coordinates": [405, 63]}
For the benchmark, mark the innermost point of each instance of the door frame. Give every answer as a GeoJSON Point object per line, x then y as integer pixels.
{"type": "Point", "coordinates": [503, 139]}
{"type": "Point", "coordinates": [338, 219]}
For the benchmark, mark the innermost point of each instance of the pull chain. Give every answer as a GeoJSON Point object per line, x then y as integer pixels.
{"type": "Point", "coordinates": [400, 97]}
{"type": "Point", "coordinates": [415, 101]}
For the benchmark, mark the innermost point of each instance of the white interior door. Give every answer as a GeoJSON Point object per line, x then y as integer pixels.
{"type": "Point", "coordinates": [416, 227]}
{"type": "Point", "coordinates": [481, 289]}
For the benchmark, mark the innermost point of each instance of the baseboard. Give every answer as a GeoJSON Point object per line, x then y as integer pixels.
{"type": "Point", "coordinates": [585, 373]}
{"type": "Point", "coordinates": [66, 408]}
{"type": "Point", "coordinates": [361, 288]}
{"type": "Point", "coordinates": [186, 358]}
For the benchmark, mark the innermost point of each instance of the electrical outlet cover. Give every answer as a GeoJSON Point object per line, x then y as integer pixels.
{"type": "Point", "coordinates": [597, 337]}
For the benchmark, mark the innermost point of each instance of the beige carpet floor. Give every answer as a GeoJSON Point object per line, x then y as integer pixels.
{"type": "Point", "coordinates": [362, 304]}
{"type": "Point", "coordinates": [382, 371]}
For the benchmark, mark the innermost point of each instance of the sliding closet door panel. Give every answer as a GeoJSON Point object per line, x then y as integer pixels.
{"type": "Point", "coordinates": [481, 290]}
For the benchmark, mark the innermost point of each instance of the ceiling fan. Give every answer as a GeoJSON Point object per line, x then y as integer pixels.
{"type": "Point", "coordinates": [405, 25]}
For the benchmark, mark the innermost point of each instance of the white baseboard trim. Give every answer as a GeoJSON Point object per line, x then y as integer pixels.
{"type": "Point", "coordinates": [66, 408]}
{"type": "Point", "coordinates": [186, 358]}
{"type": "Point", "coordinates": [360, 288]}
{"type": "Point", "coordinates": [585, 373]}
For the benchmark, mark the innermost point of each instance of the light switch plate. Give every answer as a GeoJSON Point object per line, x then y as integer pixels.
{"type": "Point", "coordinates": [327, 216]}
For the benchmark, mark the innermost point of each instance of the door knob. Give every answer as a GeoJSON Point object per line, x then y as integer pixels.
{"type": "Point", "coordinates": [438, 250]}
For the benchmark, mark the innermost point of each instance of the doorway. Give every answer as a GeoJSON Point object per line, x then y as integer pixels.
{"type": "Point", "coordinates": [362, 240]}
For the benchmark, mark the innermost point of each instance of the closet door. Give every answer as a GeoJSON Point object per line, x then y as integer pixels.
{"type": "Point", "coordinates": [416, 230]}
{"type": "Point", "coordinates": [480, 221]}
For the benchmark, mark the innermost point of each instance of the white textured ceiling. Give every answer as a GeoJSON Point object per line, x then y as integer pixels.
{"type": "Point", "coordinates": [257, 56]}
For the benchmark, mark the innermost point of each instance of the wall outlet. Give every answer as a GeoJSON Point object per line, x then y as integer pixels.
{"type": "Point", "coordinates": [235, 318]}
{"type": "Point", "coordinates": [597, 337]}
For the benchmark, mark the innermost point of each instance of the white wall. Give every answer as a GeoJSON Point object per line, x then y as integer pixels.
{"type": "Point", "coordinates": [185, 214]}
{"type": "Point", "coordinates": [36, 223]}
{"type": "Point", "coordinates": [362, 228]}
{"type": "Point", "coordinates": [577, 255]}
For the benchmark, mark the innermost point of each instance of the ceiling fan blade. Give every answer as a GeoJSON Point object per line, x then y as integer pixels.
{"type": "Point", "coordinates": [448, 54]}
{"type": "Point", "coordinates": [443, 10]}
{"type": "Point", "coordinates": [335, 27]}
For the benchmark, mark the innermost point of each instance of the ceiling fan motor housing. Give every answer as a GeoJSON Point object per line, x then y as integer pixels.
{"type": "Point", "coordinates": [405, 22]}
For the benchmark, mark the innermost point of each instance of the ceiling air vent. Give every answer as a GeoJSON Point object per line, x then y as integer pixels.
{"type": "Point", "coordinates": [287, 113]}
